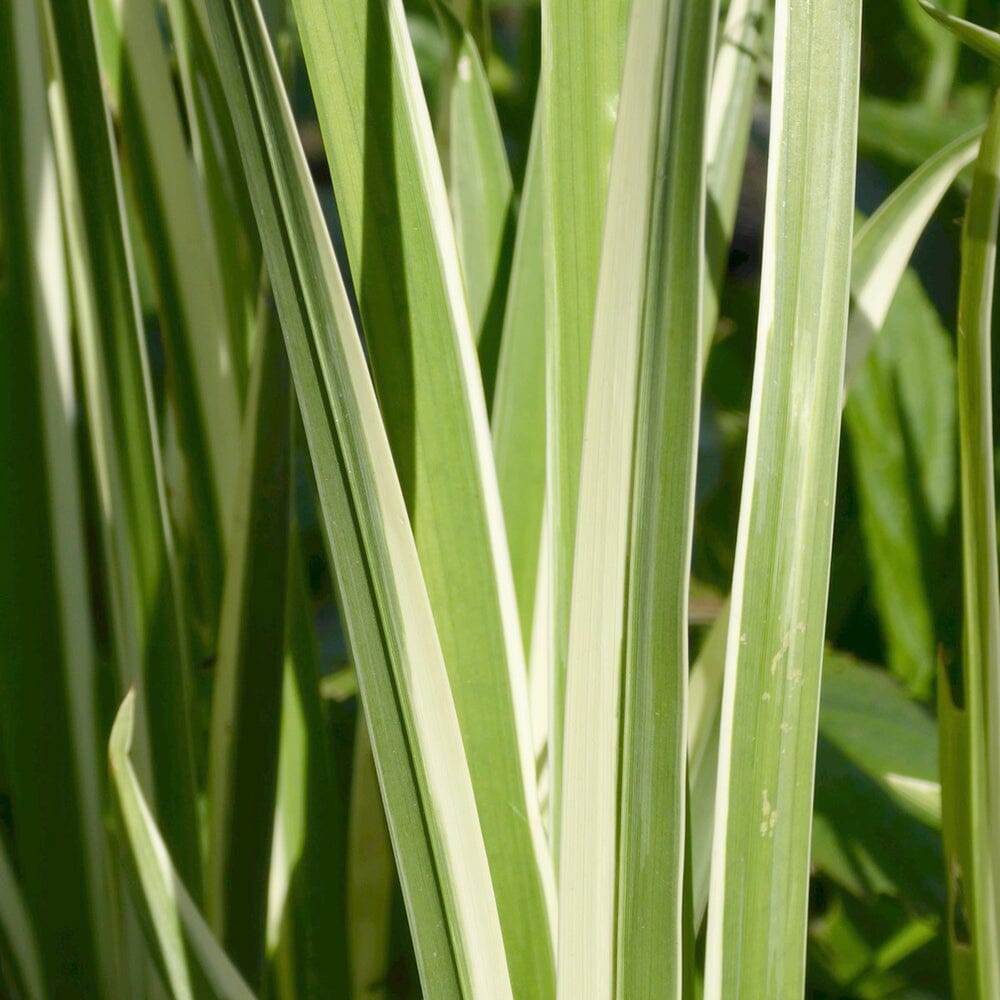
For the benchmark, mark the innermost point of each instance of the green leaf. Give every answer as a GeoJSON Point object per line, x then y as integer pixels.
{"type": "Point", "coordinates": [703, 734]}
{"type": "Point", "coordinates": [480, 191]}
{"type": "Point", "coordinates": [217, 161]}
{"type": "Point", "coordinates": [246, 702]}
{"type": "Point", "coordinates": [47, 712]}
{"type": "Point", "coordinates": [582, 51]}
{"type": "Point", "coordinates": [178, 930]}
{"type": "Point", "coordinates": [307, 905]}
{"type": "Point", "coordinates": [884, 245]}
{"type": "Point", "coordinates": [957, 788]}
{"type": "Point", "coordinates": [981, 40]}
{"type": "Point", "coordinates": [980, 588]}
{"type": "Point", "coordinates": [620, 895]}
{"type": "Point", "coordinates": [730, 116]}
{"type": "Point", "coordinates": [162, 182]}
{"type": "Point", "coordinates": [518, 413]}
{"type": "Point", "coordinates": [147, 622]}
{"type": "Point", "coordinates": [760, 866]}
{"type": "Point", "coordinates": [880, 949]}
{"type": "Point", "coordinates": [873, 740]}
{"type": "Point", "coordinates": [882, 248]}
{"type": "Point", "coordinates": [402, 677]}
{"type": "Point", "coordinates": [474, 15]}
{"type": "Point", "coordinates": [402, 251]}
{"type": "Point", "coordinates": [371, 876]}
{"type": "Point", "coordinates": [907, 134]}
{"type": "Point", "coordinates": [939, 76]}
{"type": "Point", "coordinates": [900, 418]}
{"type": "Point", "coordinates": [17, 932]}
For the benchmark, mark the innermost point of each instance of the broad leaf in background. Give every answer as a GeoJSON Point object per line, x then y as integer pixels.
{"type": "Point", "coordinates": [878, 869]}
{"type": "Point", "coordinates": [982, 40]}
{"type": "Point", "coordinates": [900, 418]}
{"type": "Point", "coordinates": [874, 950]}
{"type": "Point", "coordinates": [909, 135]}
{"type": "Point", "coordinates": [760, 867]}
{"type": "Point", "coordinates": [873, 740]}
{"type": "Point", "coordinates": [246, 705]}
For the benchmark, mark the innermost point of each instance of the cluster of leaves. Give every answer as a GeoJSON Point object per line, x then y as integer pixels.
{"type": "Point", "coordinates": [370, 377]}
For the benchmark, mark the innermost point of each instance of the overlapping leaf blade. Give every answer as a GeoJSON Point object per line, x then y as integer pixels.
{"type": "Point", "coordinates": [402, 252]}
{"type": "Point", "coordinates": [760, 869]}
{"type": "Point", "coordinates": [582, 51]}
{"type": "Point", "coordinates": [47, 712]}
{"type": "Point", "coordinates": [480, 190]}
{"type": "Point", "coordinates": [188, 276]}
{"type": "Point", "coordinates": [190, 957]}
{"type": "Point", "coordinates": [246, 704]}
{"type": "Point", "coordinates": [981, 39]}
{"type": "Point", "coordinates": [402, 678]}
{"type": "Point", "coordinates": [146, 615]}
{"type": "Point", "coordinates": [884, 244]}
{"type": "Point", "coordinates": [518, 412]}
{"type": "Point", "coordinates": [621, 896]}
{"type": "Point", "coordinates": [730, 115]}
{"type": "Point", "coordinates": [980, 586]}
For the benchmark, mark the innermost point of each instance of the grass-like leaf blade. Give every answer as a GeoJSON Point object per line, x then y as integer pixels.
{"type": "Point", "coordinates": [760, 866]}
{"type": "Point", "coordinates": [403, 682]}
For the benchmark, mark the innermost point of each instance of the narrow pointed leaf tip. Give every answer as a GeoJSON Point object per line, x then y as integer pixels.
{"type": "Point", "coordinates": [192, 961]}
{"type": "Point", "coordinates": [982, 40]}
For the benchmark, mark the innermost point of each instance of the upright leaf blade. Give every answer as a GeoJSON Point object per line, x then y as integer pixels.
{"type": "Point", "coordinates": [730, 115]}
{"type": "Point", "coordinates": [518, 413]}
{"type": "Point", "coordinates": [415, 736]}
{"type": "Point", "coordinates": [654, 932]}
{"type": "Point", "coordinates": [47, 712]}
{"type": "Point", "coordinates": [622, 862]}
{"type": "Point", "coordinates": [17, 932]}
{"type": "Point", "coordinates": [179, 931]}
{"type": "Point", "coordinates": [481, 192]}
{"type": "Point", "coordinates": [246, 703]}
{"type": "Point", "coordinates": [880, 253]}
{"type": "Point", "coordinates": [145, 610]}
{"type": "Point", "coordinates": [582, 50]}
{"type": "Point", "coordinates": [402, 252]}
{"type": "Point", "coordinates": [760, 871]}
{"type": "Point", "coordinates": [980, 586]}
